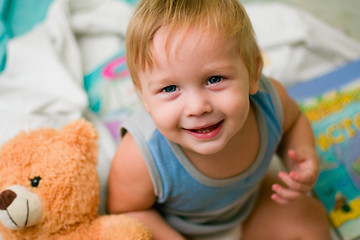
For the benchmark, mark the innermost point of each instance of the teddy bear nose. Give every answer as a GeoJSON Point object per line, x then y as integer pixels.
{"type": "Point", "coordinates": [6, 198]}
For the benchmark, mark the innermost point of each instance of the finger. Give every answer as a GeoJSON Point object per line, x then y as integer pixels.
{"type": "Point", "coordinates": [279, 199]}
{"type": "Point", "coordinates": [305, 177]}
{"type": "Point", "coordinates": [285, 193]}
{"type": "Point", "coordinates": [293, 184]}
{"type": "Point", "coordinates": [295, 156]}
{"type": "Point", "coordinates": [305, 170]}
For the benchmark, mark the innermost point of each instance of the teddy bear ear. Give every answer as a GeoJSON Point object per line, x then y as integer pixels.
{"type": "Point", "coordinates": [81, 127]}
{"type": "Point", "coordinates": [82, 134]}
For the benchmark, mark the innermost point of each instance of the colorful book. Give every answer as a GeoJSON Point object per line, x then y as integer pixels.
{"type": "Point", "coordinates": [332, 104]}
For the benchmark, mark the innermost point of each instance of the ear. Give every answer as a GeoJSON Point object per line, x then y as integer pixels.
{"type": "Point", "coordinates": [146, 106]}
{"type": "Point", "coordinates": [254, 82]}
{"type": "Point", "coordinates": [254, 86]}
{"type": "Point", "coordinates": [145, 103]}
{"type": "Point", "coordinates": [80, 128]}
{"type": "Point", "coordinates": [82, 134]}
{"type": "Point", "coordinates": [140, 94]}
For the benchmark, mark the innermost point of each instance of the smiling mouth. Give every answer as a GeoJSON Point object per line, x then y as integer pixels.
{"type": "Point", "coordinates": [206, 129]}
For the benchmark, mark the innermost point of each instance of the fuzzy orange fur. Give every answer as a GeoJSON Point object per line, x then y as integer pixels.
{"type": "Point", "coordinates": [69, 188]}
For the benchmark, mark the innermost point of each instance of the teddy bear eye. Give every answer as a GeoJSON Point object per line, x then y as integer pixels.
{"type": "Point", "coordinates": [35, 181]}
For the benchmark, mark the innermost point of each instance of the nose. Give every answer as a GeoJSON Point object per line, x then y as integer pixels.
{"type": "Point", "coordinates": [197, 103]}
{"type": "Point", "coordinates": [6, 198]}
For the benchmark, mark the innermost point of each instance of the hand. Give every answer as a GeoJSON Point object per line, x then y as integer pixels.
{"type": "Point", "coordinates": [303, 167]}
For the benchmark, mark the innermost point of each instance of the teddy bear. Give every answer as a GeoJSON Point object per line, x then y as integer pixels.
{"type": "Point", "coordinates": [50, 188]}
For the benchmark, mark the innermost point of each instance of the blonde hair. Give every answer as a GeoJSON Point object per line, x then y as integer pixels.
{"type": "Point", "coordinates": [228, 16]}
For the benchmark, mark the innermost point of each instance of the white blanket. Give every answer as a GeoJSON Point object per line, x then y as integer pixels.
{"type": "Point", "coordinates": [42, 84]}
{"type": "Point", "coordinates": [297, 45]}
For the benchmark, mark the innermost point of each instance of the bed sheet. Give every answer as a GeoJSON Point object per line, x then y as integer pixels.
{"type": "Point", "coordinates": [72, 65]}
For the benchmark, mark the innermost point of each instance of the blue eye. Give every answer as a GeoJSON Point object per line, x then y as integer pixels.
{"type": "Point", "coordinates": [214, 79]}
{"type": "Point", "coordinates": [169, 89]}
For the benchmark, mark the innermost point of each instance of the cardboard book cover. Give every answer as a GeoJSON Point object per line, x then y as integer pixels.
{"type": "Point", "coordinates": [332, 104]}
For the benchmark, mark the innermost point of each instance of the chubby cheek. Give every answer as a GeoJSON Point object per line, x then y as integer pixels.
{"type": "Point", "coordinates": [236, 105]}
{"type": "Point", "coordinates": [236, 113]}
{"type": "Point", "coordinates": [164, 114]}
{"type": "Point", "coordinates": [167, 119]}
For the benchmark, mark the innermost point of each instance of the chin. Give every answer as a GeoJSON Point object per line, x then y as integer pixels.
{"type": "Point", "coordinates": [209, 149]}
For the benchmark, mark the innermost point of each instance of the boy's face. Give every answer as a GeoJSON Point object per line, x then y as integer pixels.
{"type": "Point", "coordinates": [198, 89]}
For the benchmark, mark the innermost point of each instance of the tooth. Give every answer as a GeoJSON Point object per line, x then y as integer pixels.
{"type": "Point", "coordinates": [204, 131]}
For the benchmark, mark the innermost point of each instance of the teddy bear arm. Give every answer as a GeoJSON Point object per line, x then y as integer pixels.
{"type": "Point", "coordinates": [121, 227]}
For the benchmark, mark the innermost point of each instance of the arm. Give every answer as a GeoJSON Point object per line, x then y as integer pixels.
{"type": "Point", "coordinates": [297, 151]}
{"type": "Point", "coordinates": [130, 190]}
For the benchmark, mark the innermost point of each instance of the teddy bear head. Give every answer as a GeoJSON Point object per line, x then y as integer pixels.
{"type": "Point", "coordinates": [48, 179]}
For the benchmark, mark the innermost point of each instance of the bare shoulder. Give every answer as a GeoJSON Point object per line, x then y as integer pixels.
{"type": "Point", "coordinates": [129, 185]}
{"type": "Point", "coordinates": [291, 110]}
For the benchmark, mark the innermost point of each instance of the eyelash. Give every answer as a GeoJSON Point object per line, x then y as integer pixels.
{"type": "Point", "coordinates": [173, 88]}
{"type": "Point", "coordinates": [216, 78]}
{"type": "Point", "coordinates": [169, 89]}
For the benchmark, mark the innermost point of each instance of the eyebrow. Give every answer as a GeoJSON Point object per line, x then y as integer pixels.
{"type": "Point", "coordinates": [216, 66]}
{"type": "Point", "coordinates": [205, 70]}
{"type": "Point", "coordinates": [160, 82]}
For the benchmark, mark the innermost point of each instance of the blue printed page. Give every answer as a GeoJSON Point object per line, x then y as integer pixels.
{"type": "Point", "coordinates": [332, 104]}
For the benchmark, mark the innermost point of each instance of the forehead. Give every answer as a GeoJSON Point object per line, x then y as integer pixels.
{"type": "Point", "coordinates": [177, 42]}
